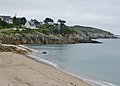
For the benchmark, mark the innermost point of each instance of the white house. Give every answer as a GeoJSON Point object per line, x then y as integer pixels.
{"type": "Point", "coordinates": [30, 24]}
{"type": "Point", "coordinates": [50, 23]}
{"type": "Point", "coordinates": [10, 21]}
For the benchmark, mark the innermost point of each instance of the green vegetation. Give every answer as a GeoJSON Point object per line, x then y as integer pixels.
{"type": "Point", "coordinates": [9, 32]}
{"type": "Point", "coordinates": [18, 22]}
{"type": "Point", "coordinates": [52, 29]}
{"type": "Point", "coordinates": [45, 28]}
{"type": "Point", "coordinates": [4, 24]}
{"type": "Point", "coordinates": [83, 28]}
{"type": "Point", "coordinates": [48, 20]}
{"type": "Point", "coordinates": [29, 31]}
{"type": "Point", "coordinates": [49, 27]}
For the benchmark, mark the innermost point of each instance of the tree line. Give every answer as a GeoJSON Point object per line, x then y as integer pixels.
{"type": "Point", "coordinates": [48, 26]}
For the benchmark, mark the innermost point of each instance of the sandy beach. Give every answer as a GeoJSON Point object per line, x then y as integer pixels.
{"type": "Point", "coordinates": [18, 70]}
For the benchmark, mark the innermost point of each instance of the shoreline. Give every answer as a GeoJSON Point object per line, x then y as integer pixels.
{"type": "Point", "coordinates": [49, 63]}
{"type": "Point", "coordinates": [19, 70]}
{"type": "Point", "coordinates": [86, 80]}
{"type": "Point", "coordinates": [46, 62]}
{"type": "Point", "coordinates": [52, 66]}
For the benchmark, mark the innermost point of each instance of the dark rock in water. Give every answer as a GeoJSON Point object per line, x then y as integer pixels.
{"type": "Point", "coordinates": [96, 41]}
{"type": "Point", "coordinates": [44, 52]}
{"type": "Point", "coordinates": [117, 36]}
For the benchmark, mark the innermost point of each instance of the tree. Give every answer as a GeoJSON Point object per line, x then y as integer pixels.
{"type": "Point", "coordinates": [23, 20]}
{"type": "Point", "coordinates": [62, 22]}
{"type": "Point", "coordinates": [14, 20]}
{"type": "Point", "coordinates": [19, 21]}
{"type": "Point", "coordinates": [48, 20]}
{"type": "Point", "coordinates": [0, 19]}
{"type": "Point", "coordinates": [4, 24]}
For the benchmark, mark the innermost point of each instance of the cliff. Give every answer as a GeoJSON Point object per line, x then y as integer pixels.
{"type": "Point", "coordinates": [80, 35]}
{"type": "Point", "coordinates": [40, 38]}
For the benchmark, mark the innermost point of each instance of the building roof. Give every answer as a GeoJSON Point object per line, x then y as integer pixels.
{"type": "Point", "coordinates": [5, 17]}
{"type": "Point", "coordinates": [31, 23]}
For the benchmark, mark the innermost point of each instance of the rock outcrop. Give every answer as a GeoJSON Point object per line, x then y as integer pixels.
{"type": "Point", "coordinates": [13, 48]}
{"type": "Point", "coordinates": [39, 38]}
{"type": "Point", "coordinates": [96, 35]}
{"type": "Point", "coordinates": [93, 33]}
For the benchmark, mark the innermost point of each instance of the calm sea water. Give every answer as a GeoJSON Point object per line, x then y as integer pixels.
{"type": "Point", "coordinates": [98, 62]}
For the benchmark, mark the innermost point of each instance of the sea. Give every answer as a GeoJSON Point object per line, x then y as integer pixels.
{"type": "Point", "coordinates": [97, 64]}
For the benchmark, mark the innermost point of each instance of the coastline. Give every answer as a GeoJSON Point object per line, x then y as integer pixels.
{"type": "Point", "coordinates": [75, 80]}
{"type": "Point", "coordinates": [90, 82]}
{"type": "Point", "coordinates": [49, 63]}
{"type": "Point", "coordinates": [18, 70]}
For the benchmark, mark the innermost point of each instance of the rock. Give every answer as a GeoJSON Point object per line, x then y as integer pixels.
{"type": "Point", "coordinates": [96, 35]}
{"type": "Point", "coordinates": [13, 48]}
{"type": "Point", "coordinates": [96, 41]}
{"type": "Point", "coordinates": [44, 52]}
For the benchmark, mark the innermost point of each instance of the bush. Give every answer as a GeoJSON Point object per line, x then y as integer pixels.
{"type": "Point", "coordinates": [45, 31]}
{"type": "Point", "coordinates": [9, 32]}
{"type": "Point", "coordinates": [66, 30]}
{"type": "Point", "coordinates": [4, 24]}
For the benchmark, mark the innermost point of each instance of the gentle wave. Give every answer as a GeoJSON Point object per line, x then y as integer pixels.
{"type": "Point", "coordinates": [37, 58]}
{"type": "Point", "coordinates": [98, 83]}
{"type": "Point", "coordinates": [42, 60]}
{"type": "Point", "coordinates": [33, 50]}
{"type": "Point", "coordinates": [89, 81]}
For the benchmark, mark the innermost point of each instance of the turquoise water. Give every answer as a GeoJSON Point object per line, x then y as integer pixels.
{"type": "Point", "coordinates": [98, 62]}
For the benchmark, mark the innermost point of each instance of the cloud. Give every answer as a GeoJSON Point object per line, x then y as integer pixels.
{"type": "Point", "coordinates": [98, 13]}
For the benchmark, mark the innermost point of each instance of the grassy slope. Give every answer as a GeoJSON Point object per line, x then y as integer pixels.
{"type": "Point", "coordinates": [72, 28]}
{"type": "Point", "coordinates": [90, 29]}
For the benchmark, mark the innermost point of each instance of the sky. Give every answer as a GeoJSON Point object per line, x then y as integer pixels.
{"type": "Point", "coordinates": [103, 14]}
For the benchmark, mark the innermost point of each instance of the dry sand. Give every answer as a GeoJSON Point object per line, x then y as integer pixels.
{"type": "Point", "coordinates": [18, 70]}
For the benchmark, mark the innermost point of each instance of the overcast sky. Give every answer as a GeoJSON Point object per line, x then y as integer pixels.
{"type": "Point", "coordinates": [104, 14]}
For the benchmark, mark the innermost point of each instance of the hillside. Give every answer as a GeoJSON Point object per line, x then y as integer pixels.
{"type": "Point", "coordinates": [93, 33]}
{"type": "Point", "coordinates": [54, 35]}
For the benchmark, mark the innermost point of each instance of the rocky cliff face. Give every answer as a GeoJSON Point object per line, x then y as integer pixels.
{"type": "Point", "coordinates": [96, 35]}
{"type": "Point", "coordinates": [40, 38]}
{"type": "Point", "coordinates": [93, 33]}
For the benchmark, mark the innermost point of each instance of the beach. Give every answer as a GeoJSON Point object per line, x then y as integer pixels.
{"type": "Point", "coordinates": [19, 70]}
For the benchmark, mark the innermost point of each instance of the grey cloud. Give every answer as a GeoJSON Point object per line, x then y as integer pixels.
{"type": "Point", "coordinates": [99, 13]}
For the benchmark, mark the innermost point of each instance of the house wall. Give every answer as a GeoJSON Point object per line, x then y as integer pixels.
{"type": "Point", "coordinates": [27, 25]}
